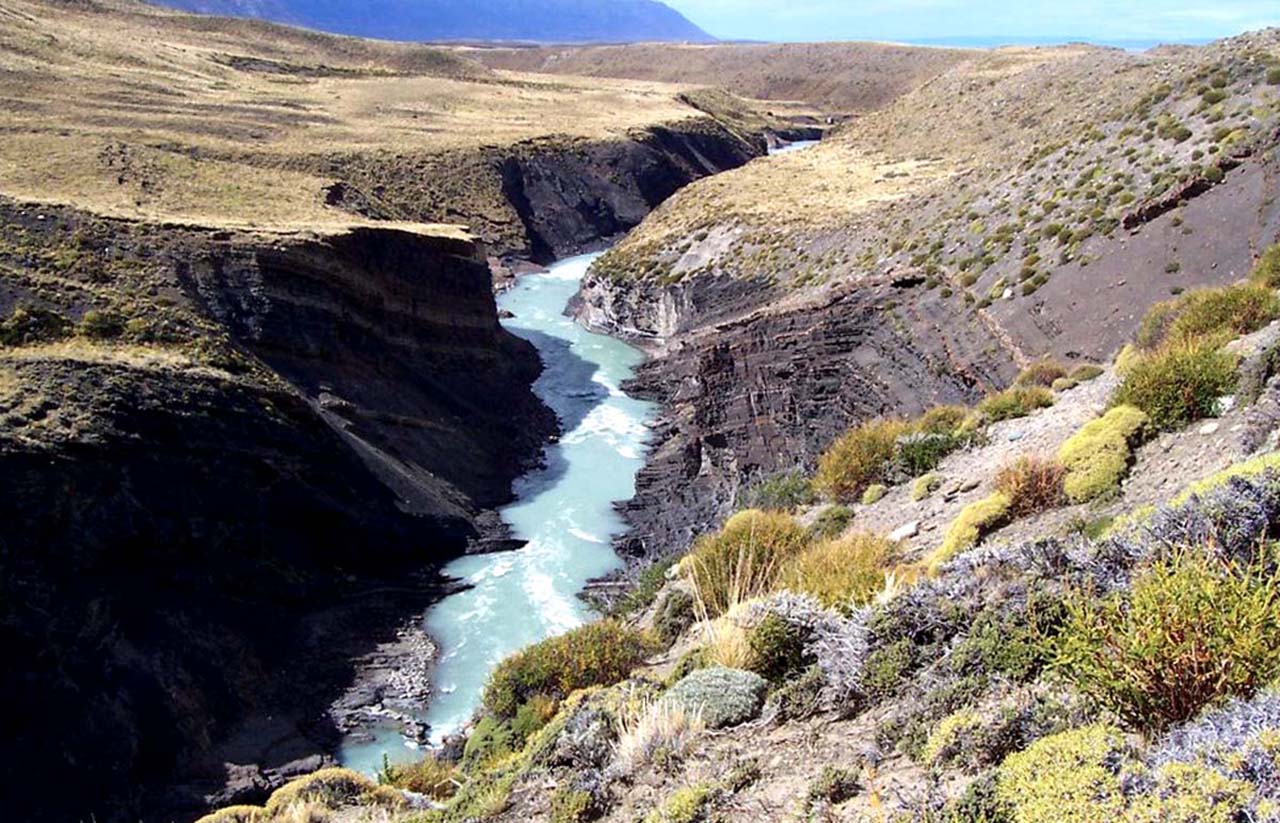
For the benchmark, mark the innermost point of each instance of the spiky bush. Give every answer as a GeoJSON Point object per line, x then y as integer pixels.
{"type": "Point", "coordinates": [430, 776]}
{"type": "Point", "coordinates": [1097, 457]}
{"type": "Point", "coordinates": [858, 459]}
{"type": "Point", "coordinates": [841, 573]}
{"type": "Point", "coordinates": [659, 727]}
{"type": "Point", "coordinates": [597, 654]}
{"type": "Point", "coordinates": [1178, 384]}
{"type": "Point", "coordinates": [1041, 373]}
{"type": "Point", "coordinates": [1192, 632]}
{"type": "Point", "coordinates": [1032, 484]}
{"type": "Point", "coordinates": [744, 559]}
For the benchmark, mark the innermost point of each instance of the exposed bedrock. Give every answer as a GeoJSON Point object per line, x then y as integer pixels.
{"type": "Point", "coordinates": [196, 548]}
{"type": "Point", "coordinates": [766, 392]}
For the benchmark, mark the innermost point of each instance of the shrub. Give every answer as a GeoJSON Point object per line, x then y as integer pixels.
{"type": "Point", "coordinates": [1267, 270]}
{"type": "Point", "coordinates": [1041, 373]}
{"type": "Point", "coordinates": [1032, 484]}
{"type": "Point", "coordinates": [331, 788]}
{"type": "Point", "coordinates": [1097, 457]}
{"type": "Point", "coordinates": [597, 654]}
{"type": "Point", "coordinates": [1273, 76]}
{"type": "Point", "coordinates": [858, 459]}
{"type": "Point", "coordinates": [1224, 312]}
{"type": "Point", "coordinates": [974, 522]}
{"type": "Point", "coordinates": [832, 521]}
{"type": "Point", "coordinates": [686, 805]}
{"type": "Point", "coordinates": [942, 420]}
{"type": "Point", "coordinates": [925, 486]}
{"type": "Point", "coordinates": [1072, 777]}
{"type": "Point", "coordinates": [653, 729]}
{"type": "Point", "coordinates": [1250, 468]}
{"type": "Point", "coordinates": [572, 806]}
{"type": "Point", "coordinates": [32, 324]}
{"type": "Point", "coordinates": [1086, 372]}
{"type": "Point", "coordinates": [781, 492]}
{"type": "Point", "coordinates": [874, 494]}
{"type": "Point", "coordinates": [430, 776]}
{"type": "Point", "coordinates": [1063, 384]}
{"type": "Point", "coordinates": [1192, 632]}
{"type": "Point", "coordinates": [778, 648]}
{"type": "Point", "coordinates": [834, 785]}
{"type": "Point", "coordinates": [675, 613]}
{"type": "Point", "coordinates": [1178, 384]}
{"type": "Point", "coordinates": [724, 697]}
{"type": "Point", "coordinates": [236, 814]}
{"type": "Point", "coordinates": [1015, 402]}
{"type": "Point", "coordinates": [101, 325]}
{"type": "Point", "coordinates": [841, 572]}
{"type": "Point", "coordinates": [920, 452]}
{"type": "Point", "coordinates": [744, 559]}
{"type": "Point", "coordinates": [532, 715]}
{"type": "Point", "coordinates": [648, 584]}
{"type": "Point", "coordinates": [490, 740]}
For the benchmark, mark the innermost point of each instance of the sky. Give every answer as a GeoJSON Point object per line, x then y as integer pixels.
{"type": "Point", "coordinates": [1103, 21]}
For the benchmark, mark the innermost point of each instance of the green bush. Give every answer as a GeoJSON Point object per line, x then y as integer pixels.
{"type": "Point", "coordinates": [674, 614]}
{"type": "Point", "coordinates": [858, 459]}
{"type": "Point", "coordinates": [331, 788]}
{"type": "Point", "coordinates": [1015, 402]}
{"type": "Point", "coordinates": [1224, 313]}
{"type": "Point", "coordinates": [743, 560]}
{"type": "Point", "coordinates": [834, 785]}
{"type": "Point", "coordinates": [1086, 372]}
{"type": "Point", "coordinates": [490, 740]}
{"type": "Point", "coordinates": [642, 595]}
{"type": "Point", "coordinates": [920, 452]}
{"type": "Point", "coordinates": [832, 521]}
{"type": "Point", "coordinates": [32, 324]}
{"type": "Point", "coordinates": [1178, 384]}
{"type": "Point", "coordinates": [1192, 632]}
{"type": "Point", "coordinates": [781, 492]}
{"type": "Point", "coordinates": [572, 806]}
{"type": "Point", "coordinates": [1267, 270]}
{"type": "Point", "coordinates": [942, 420]}
{"type": "Point", "coordinates": [925, 486]}
{"type": "Point", "coordinates": [974, 522]}
{"type": "Point", "coordinates": [101, 325]}
{"type": "Point", "coordinates": [1273, 76]}
{"type": "Point", "coordinates": [1097, 457]}
{"type": "Point", "coordinates": [843, 572]}
{"type": "Point", "coordinates": [778, 649]}
{"type": "Point", "coordinates": [874, 494]}
{"type": "Point", "coordinates": [597, 654]}
{"type": "Point", "coordinates": [1072, 777]}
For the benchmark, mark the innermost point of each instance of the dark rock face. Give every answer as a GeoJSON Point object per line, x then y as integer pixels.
{"type": "Point", "coordinates": [767, 392]}
{"type": "Point", "coordinates": [196, 550]}
{"type": "Point", "coordinates": [542, 200]}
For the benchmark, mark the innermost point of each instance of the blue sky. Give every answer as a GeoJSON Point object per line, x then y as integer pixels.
{"type": "Point", "coordinates": [916, 20]}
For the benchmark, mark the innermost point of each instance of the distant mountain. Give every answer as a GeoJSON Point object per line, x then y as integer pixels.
{"type": "Point", "coordinates": [543, 21]}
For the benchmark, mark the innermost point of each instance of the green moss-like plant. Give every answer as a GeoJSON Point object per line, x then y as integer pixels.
{"type": "Point", "coordinates": [925, 486]}
{"type": "Point", "coordinates": [1097, 457]}
{"type": "Point", "coordinates": [686, 805]}
{"type": "Point", "coordinates": [947, 733]}
{"type": "Point", "coordinates": [1178, 384]}
{"type": "Point", "coordinates": [236, 814]}
{"type": "Point", "coordinates": [571, 806]}
{"type": "Point", "coordinates": [430, 776]}
{"type": "Point", "coordinates": [974, 522]}
{"type": "Point", "coordinates": [874, 494]}
{"type": "Point", "coordinates": [1072, 777]}
{"type": "Point", "coordinates": [1086, 372]}
{"type": "Point", "coordinates": [597, 654]}
{"type": "Point", "coordinates": [1252, 467]}
{"type": "Point", "coordinates": [1267, 270]}
{"type": "Point", "coordinates": [1015, 402]}
{"type": "Point", "coordinates": [1193, 631]}
{"type": "Point", "coordinates": [743, 560]}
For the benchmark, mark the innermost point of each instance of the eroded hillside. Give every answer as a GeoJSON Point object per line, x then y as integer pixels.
{"type": "Point", "coordinates": [1031, 200]}
{"type": "Point", "coordinates": [253, 388]}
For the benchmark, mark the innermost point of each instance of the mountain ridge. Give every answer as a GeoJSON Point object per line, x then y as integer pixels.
{"type": "Point", "coordinates": [541, 21]}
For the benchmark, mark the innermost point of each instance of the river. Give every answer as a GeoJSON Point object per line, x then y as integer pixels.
{"type": "Point", "coordinates": [564, 510]}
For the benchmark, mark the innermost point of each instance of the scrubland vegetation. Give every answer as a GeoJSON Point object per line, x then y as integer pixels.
{"type": "Point", "coordinates": [1065, 678]}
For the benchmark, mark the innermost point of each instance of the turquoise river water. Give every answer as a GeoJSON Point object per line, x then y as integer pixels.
{"type": "Point", "coordinates": [564, 510]}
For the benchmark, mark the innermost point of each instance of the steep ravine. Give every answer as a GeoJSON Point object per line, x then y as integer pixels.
{"type": "Point", "coordinates": [219, 499]}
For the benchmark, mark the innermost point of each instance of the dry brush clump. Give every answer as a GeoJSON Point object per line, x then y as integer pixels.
{"type": "Point", "coordinates": [843, 572]}
{"type": "Point", "coordinates": [743, 560]}
{"type": "Point", "coordinates": [1032, 484]}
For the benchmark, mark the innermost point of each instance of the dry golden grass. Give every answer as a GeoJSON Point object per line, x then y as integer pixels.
{"type": "Point", "coordinates": [135, 111]}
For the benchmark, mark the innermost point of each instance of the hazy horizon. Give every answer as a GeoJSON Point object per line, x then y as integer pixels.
{"type": "Point", "coordinates": [1137, 24]}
